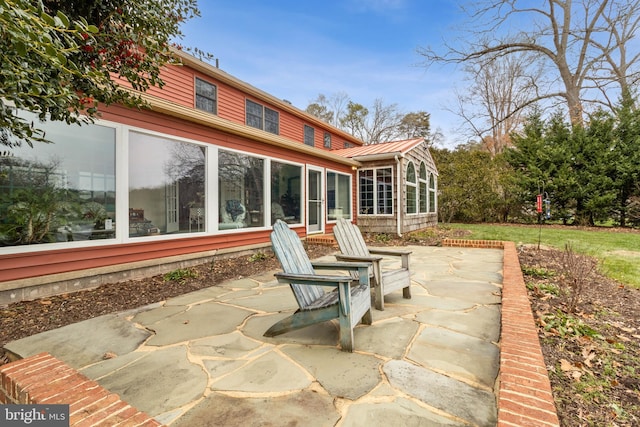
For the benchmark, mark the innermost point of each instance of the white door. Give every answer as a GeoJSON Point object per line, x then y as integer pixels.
{"type": "Point", "coordinates": [171, 204]}
{"type": "Point", "coordinates": [315, 200]}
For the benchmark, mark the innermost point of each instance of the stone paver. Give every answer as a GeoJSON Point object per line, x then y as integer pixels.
{"type": "Point", "coordinates": [201, 359]}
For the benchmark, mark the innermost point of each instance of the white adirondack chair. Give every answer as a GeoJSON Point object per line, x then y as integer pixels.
{"type": "Point", "coordinates": [354, 248]}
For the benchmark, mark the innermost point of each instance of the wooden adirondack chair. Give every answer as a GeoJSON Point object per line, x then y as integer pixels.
{"type": "Point", "coordinates": [347, 303]}
{"type": "Point", "coordinates": [354, 248]}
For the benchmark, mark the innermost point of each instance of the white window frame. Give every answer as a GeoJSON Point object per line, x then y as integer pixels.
{"type": "Point", "coordinates": [375, 192]}
{"type": "Point", "coordinates": [338, 173]}
{"type": "Point", "coordinates": [410, 184]}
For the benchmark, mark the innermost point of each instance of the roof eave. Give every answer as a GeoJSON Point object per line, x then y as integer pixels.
{"type": "Point", "coordinates": [207, 119]}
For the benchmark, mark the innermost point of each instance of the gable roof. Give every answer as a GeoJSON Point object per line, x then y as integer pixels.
{"type": "Point", "coordinates": [386, 151]}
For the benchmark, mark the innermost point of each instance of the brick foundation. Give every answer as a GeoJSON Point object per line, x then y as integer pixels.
{"type": "Point", "coordinates": [524, 395]}
{"type": "Point", "coordinates": [43, 379]}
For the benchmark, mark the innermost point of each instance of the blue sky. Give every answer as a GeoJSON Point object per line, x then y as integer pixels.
{"type": "Point", "coordinates": [298, 49]}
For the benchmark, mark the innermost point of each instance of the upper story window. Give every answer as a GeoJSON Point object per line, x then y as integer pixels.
{"type": "Point", "coordinates": [261, 117]}
{"type": "Point", "coordinates": [327, 140]}
{"type": "Point", "coordinates": [309, 135]}
{"type": "Point", "coordinates": [206, 96]}
{"type": "Point", "coordinates": [347, 144]}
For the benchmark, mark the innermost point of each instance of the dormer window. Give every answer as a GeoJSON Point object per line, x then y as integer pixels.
{"type": "Point", "coordinates": [206, 96]}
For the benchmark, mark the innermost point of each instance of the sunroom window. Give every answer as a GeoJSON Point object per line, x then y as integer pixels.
{"type": "Point", "coordinates": [422, 200]}
{"type": "Point", "coordinates": [432, 193]}
{"type": "Point", "coordinates": [411, 189]}
{"type": "Point", "coordinates": [241, 191]}
{"type": "Point", "coordinates": [59, 192]}
{"type": "Point", "coordinates": [166, 189]}
{"type": "Point", "coordinates": [286, 192]}
{"type": "Point", "coordinates": [338, 196]}
{"type": "Point", "coordinates": [376, 191]}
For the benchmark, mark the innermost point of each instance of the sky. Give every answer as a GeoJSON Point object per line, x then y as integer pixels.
{"type": "Point", "coordinates": [298, 49]}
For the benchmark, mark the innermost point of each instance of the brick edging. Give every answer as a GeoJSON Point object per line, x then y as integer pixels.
{"type": "Point", "coordinates": [524, 393]}
{"type": "Point", "coordinates": [43, 379]}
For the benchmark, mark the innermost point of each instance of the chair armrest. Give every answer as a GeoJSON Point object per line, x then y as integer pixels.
{"type": "Point", "coordinates": [340, 265]}
{"type": "Point", "coordinates": [312, 279]}
{"type": "Point", "coordinates": [360, 258]}
{"type": "Point", "coordinates": [391, 252]}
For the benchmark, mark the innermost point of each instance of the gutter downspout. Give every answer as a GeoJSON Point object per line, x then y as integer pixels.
{"type": "Point", "coordinates": [399, 195]}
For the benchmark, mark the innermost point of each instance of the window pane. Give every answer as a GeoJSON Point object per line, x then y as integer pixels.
{"type": "Point", "coordinates": [206, 96]}
{"type": "Point", "coordinates": [286, 192]}
{"type": "Point", "coordinates": [411, 173]}
{"type": "Point", "coordinates": [166, 186]}
{"type": "Point", "coordinates": [384, 180]}
{"type": "Point", "coordinates": [338, 196]}
{"type": "Point", "coordinates": [241, 190]}
{"type": "Point", "coordinates": [423, 197]}
{"type": "Point", "coordinates": [432, 193]}
{"type": "Point", "coordinates": [254, 114]}
{"type": "Point", "coordinates": [365, 178]}
{"type": "Point", "coordinates": [327, 140]}
{"type": "Point", "coordinates": [309, 135]}
{"type": "Point", "coordinates": [59, 192]}
{"type": "Point", "coordinates": [411, 199]}
{"type": "Point", "coordinates": [271, 121]}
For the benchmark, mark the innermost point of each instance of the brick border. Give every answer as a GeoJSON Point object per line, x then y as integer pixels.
{"type": "Point", "coordinates": [524, 394]}
{"type": "Point", "coordinates": [43, 379]}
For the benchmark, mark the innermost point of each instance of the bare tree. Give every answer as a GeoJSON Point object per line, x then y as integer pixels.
{"type": "Point", "coordinates": [331, 109]}
{"type": "Point", "coordinates": [568, 38]}
{"type": "Point", "coordinates": [492, 105]}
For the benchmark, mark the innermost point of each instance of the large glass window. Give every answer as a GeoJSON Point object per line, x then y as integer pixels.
{"type": "Point", "coordinates": [166, 186]}
{"type": "Point", "coordinates": [261, 117]}
{"type": "Point", "coordinates": [286, 192]}
{"type": "Point", "coordinates": [376, 191]}
{"type": "Point", "coordinates": [241, 190]}
{"type": "Point", "coordinates": [206, 96]}
{"type": "Point", "coordinates": [65, 191]}
{"type": "Point", "coordinates": [411, 189]}
{"type": "Point", "coordinates": [422, 199]}
{"type": "Point", "coordinates": [338, 196]}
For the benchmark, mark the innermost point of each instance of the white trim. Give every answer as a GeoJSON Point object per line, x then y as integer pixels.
{"type": "Point", "coordinates": [327, 170]}
{"type": "Point", "coordinates": [322, 190]}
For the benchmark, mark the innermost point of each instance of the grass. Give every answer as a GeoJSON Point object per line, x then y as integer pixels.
{"type": "Point", "coordinates": [618, 253]}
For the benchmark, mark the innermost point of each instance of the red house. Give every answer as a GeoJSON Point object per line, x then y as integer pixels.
{"type": "Point", "coordinates": [205, 171]}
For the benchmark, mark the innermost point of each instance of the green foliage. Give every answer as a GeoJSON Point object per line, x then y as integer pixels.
{"type": "Point", "coordinates": [473, 187]}
{"type": "Point", "coordinates": [382, 238]}
{"type": "Point", "coordinates": [180, 275]}
{"type": "Point", "coordinates": [566, 325]}
{"type": "Point", "coordinates": [538, 272]}
{"type": "Point", "coordinates": [616, 252]}
{"type": "Point", "coordinates": [60, 59]}
{"type": "Point", "coordinates": [258, 256]}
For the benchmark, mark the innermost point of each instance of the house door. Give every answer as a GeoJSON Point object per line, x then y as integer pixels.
{"type": "Point", "coordinates": [315, 201]}
{"type": "Point", "coordinates": [171, 205]}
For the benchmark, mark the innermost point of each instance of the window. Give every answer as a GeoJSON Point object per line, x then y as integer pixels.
{"type": "Point", "coordinates": [309, 135]}
{"type": "Point", "coordinates": [348, 145]}
{"type": "Point", "coordinates": [422, 200]}
{"type": "Point", "coordinates": [432, 193]}
{"type": "Point", "coordinates": [376, 191]}
{"type": "Point", "coordinates": [327, 140]}
{"type": "Point", "coordinates": [411, 189]}
{"type": "Point", "coordinates": [59, 192]}
{"type": "Point", "coordinates": [338, 196]}
{"type": "Point", "coordinates": [241, 191]}
{"type": "Point", "coordinates": [206, 96]}
{"type": "Point", "coordinates": [166, 189]}
{"type": "Point", "coordinates": [261, 117]}
{"type": "Point", "coordinates": [286, 191]}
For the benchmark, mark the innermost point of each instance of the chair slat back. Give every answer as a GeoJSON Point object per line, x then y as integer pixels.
{"type": "Point", "coordinates": [294, 259]}
{"type": "Point", "coordinates": [350, 239]}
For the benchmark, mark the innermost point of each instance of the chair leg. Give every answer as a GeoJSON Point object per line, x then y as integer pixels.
{"type": "Point", "coordinates": [377, 286]}
{"type": "Point", "coordinates": [406, 292]}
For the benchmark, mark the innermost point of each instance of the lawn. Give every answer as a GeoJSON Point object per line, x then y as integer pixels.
{"type": "Point", "coordinates": [617, 251]}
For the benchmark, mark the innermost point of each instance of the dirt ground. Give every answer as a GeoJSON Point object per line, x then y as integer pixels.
{"type": "Point", "coordinates": [589, 327]}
